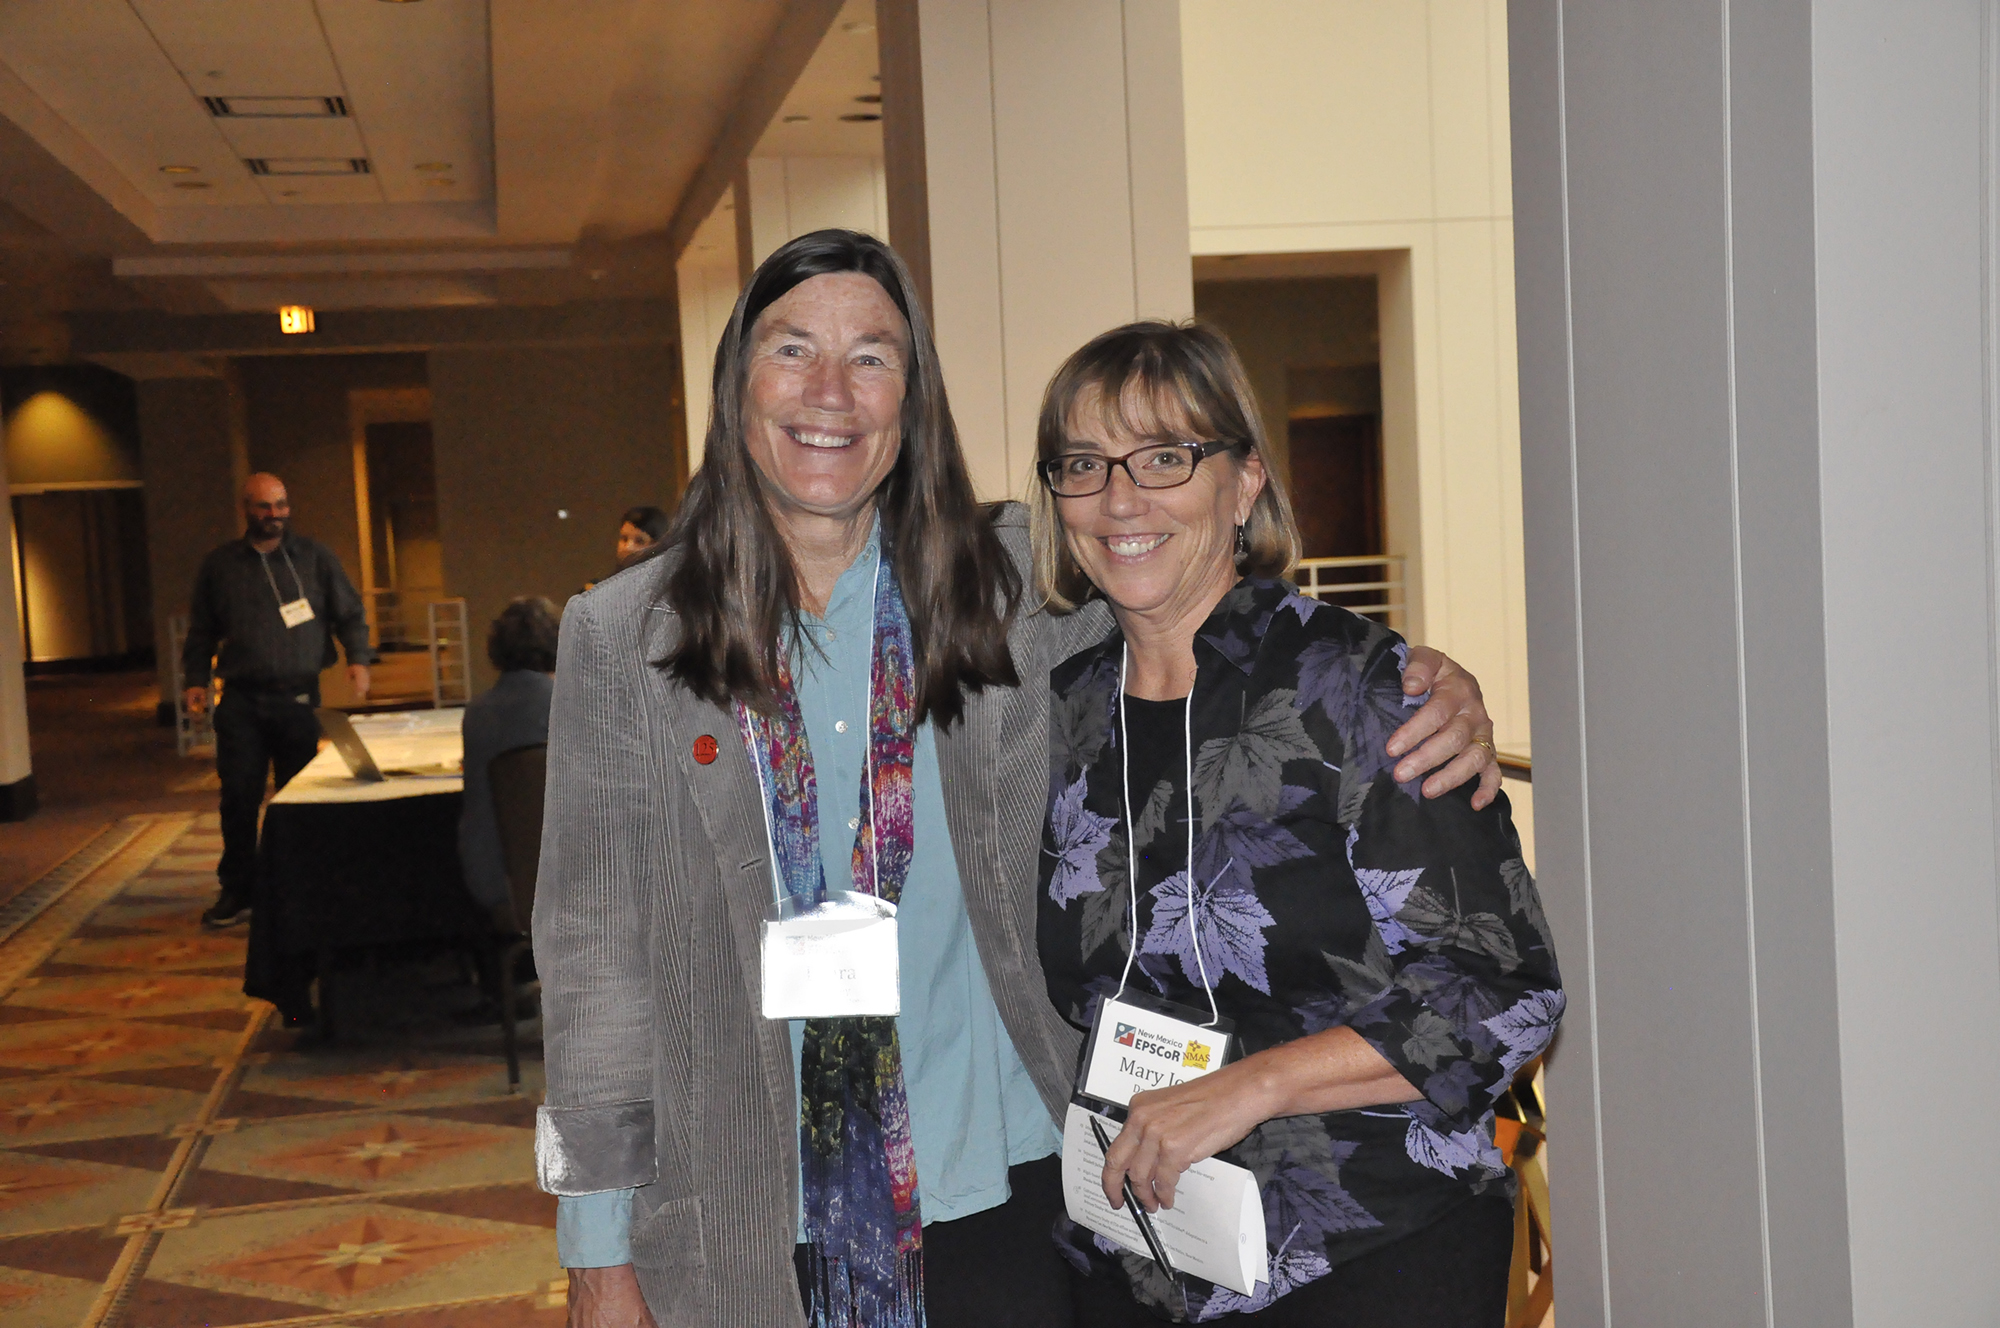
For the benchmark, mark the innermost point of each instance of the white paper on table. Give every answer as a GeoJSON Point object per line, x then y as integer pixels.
{"type": "Point", "coordinates": [1215, 1230]}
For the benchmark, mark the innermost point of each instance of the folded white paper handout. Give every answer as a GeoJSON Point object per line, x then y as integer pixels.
{"type": "Point", "coordinates": [1215, 1230]}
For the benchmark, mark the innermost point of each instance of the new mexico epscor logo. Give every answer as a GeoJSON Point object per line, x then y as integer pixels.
{"type": "Point", "coordinates": [1153, 1044]}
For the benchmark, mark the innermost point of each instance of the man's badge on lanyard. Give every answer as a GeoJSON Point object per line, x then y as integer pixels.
{"type": "Point", "coordinates": [834, 961]}
{"type": "Point", "coordinates": [1139, 1043]}
{"type": "Point", "coordinates": [294, 611]}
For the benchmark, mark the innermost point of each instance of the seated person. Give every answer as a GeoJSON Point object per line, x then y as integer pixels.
{"type": "Point", "coordinates": [514, 712]}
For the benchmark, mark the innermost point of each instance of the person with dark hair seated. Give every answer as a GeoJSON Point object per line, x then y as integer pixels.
{"type": "Point", "coordinates": [639, 530]}
{"type": "Point", "coordinates": [513, 712]}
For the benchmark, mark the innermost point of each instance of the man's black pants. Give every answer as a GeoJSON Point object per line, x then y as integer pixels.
{"type": "Point", "coordinates": [255, 733]}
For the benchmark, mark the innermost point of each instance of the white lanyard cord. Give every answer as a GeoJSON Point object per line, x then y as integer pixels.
{"type": "Point", "coordinates": [1132, 851]}
{"type": "Point", "coordinates": [264, 561]}
{"type": "Point", "coordinates": [868, 732]}
{"type": "Point", "coordinates": [867, 767]}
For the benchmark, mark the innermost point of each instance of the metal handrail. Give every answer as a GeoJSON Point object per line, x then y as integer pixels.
{"type": "Point", "coordinates": [451, 668]}
{"type": "Point", "coordinates": [1311, 580]}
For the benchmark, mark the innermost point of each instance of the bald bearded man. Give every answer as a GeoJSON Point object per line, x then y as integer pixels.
{"type": "Point", "coordinates": [275, 603]}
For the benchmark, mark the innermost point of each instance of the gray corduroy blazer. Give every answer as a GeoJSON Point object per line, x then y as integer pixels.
{"type": "Point", "coordinates": [654, 879]}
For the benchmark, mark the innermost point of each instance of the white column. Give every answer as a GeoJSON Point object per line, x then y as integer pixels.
{"type": "Point", "coordinates": [17, 781]}
{"type": "Point", "coordinates": [1756, 283]}
{"type": "Point", "coordinates": [793, 196]}
{"type": "Point", "coordinates": [1038, 184]}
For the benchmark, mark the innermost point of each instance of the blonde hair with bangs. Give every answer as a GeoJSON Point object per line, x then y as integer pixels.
{"type": "Point", "coordinates": [1165, 382]}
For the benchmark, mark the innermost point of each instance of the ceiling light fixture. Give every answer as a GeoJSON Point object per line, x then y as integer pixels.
{"type": "Point", "coordinates": [191, 184]}
{"type": "Point", "coordinates": [277, 108]}
{"type": "Point", "coordinates": [294, 319]}
{"type": "Point", "coordinates": [860, 119]}
{"type": "Point", "coordinates": [797, 119]}
{"type": "Point", "coordinates": [179, 170]}
{"type": "Point", "coordinates": [870, 99]}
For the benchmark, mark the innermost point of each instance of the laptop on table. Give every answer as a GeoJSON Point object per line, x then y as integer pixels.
{"type": "Point", "coordinates": [360, 763]}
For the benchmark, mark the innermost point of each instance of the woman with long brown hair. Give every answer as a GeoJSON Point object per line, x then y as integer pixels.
{"type": "Point", "coordinates": [807, 711]}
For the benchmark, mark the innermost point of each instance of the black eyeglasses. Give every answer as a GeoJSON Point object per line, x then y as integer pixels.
{"type": "Point", "coordinates": [1155, 466]}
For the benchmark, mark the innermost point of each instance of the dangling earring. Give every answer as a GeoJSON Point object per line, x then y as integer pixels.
{"type": "Point", "coordinates": [1242, 541]}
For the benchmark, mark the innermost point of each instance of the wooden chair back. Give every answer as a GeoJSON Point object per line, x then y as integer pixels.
{"type": "Point", "coordinates": [518, 778]}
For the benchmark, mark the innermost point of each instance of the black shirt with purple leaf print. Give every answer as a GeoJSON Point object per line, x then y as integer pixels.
{"type": "Point", "coordinates": [1325, 895]}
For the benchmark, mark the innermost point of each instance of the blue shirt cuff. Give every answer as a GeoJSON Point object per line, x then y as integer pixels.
{"type": "Point", "coordinates": [594, 1230]}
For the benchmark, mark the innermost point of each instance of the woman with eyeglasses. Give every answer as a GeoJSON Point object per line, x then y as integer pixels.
{"type": "Point", "coordinates": [1229, 863]}
{"type": "Point", "coordinates": [812, 697]}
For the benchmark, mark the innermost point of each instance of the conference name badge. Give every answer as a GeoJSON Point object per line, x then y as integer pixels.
{"type": "Point", "coordinates": [1138, 1044]}
{"type": "Point", "coordinates": [297, 612]}
{"type": "Point", "coordinates": [836, 961]}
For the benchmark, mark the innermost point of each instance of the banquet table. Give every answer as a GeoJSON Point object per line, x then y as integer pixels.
{"type": "Point", "coordinates": [344, 863]}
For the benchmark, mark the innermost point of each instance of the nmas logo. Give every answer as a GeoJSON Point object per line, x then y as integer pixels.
{"type": "Point", "coordinates": [1137, 1038]}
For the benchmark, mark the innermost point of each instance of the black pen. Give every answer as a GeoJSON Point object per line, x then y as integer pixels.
{"type": "Point", "coordinates": [1139, 1214]}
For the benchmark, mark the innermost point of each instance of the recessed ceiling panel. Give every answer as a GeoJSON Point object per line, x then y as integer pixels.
{"type": "Point", "coordinates": [835, 108]}
{"type": "Point", "coordinates": [244, 48]}
{"type": "Point", "coordinates": [303, 184]}
{"type": "Point", "coordinates": [95, 64]}
{"type": "Point", "coordinates": [293, 138]}
{"type": "Point", "coordinates": [420, 87]}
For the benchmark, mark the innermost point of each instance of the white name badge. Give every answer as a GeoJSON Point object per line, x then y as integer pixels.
{"type": "Point", "coordinates": [296, 612]}
{"type": "Point", "coordinates": [836, 961]}
{"type": "Point", "coordinates": [1137, 1047]}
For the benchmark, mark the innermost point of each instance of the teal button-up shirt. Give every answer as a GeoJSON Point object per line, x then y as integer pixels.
{"type": "Point", "coordinates": [974, 1112]}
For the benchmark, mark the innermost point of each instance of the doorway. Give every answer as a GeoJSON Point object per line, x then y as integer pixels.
{"type": "Point", "coordinates": [1309, 330]}
{"type": "Point", "coordinates": [81, 572]}
{"type": "Point", "coordinates": [402, 556]}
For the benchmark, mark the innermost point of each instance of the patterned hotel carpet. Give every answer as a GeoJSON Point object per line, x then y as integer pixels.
{"type": "Point", "coordinates": [169, 1158]}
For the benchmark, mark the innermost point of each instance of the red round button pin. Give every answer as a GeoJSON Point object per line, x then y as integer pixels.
{"type": "Point", "coordinates": [705, 749]}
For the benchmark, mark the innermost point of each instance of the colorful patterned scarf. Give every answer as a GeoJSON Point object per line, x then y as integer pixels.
{"type": "Point", "coordinates": [855, 1156]}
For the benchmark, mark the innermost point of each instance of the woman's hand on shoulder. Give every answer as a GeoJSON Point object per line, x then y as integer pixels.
{"type": "Point", "coordinates": [607, 1298]}
{"type": "Point", "coordinates": [1451, 735]}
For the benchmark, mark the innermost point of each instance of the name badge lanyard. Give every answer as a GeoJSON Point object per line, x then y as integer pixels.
{"type": "Point", "coordinates": [832, 962]}
{"type": "Point", "coordinates": [264, 561]}
{"type": "Point", "coordinates": [1132, 850]}
{"type": "Point", "coordinates": [1139, 1042]}
{"type": "Point", "coordinates": [867, 767]}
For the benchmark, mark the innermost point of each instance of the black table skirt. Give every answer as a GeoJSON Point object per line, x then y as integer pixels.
{"type": "Point", "coordinates": [334, 876]}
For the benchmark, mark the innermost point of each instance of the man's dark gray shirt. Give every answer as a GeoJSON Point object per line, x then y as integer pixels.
{"type": "Point", "coordinates": [235, 605]}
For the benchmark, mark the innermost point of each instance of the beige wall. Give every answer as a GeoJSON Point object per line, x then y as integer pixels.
{"type": "Point", "coordinates": [525, 434]}
{"type": "Point", "coordinates": [15, 764]}
{"type": "Point", "coordinates": [191, 485]}
{"type": "Point", "coordinates": [1043, 193]}
{"type": "Point", "coordinates": [299, 429]}
{"type": "Point", "coordinates": [782, 197]}
{"type": "Point", "coordinates": [51, 439]}
{"type": "Point", "coordinates": [296, 409]}
{"type": "Point", "coordinates": [1318, 126]}
{"type": "Point", "coordinates": [792, 196]}
{"type": "Point", "coordinates": [707, 293]}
